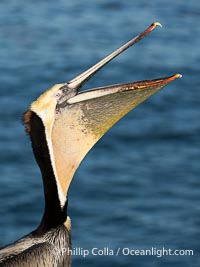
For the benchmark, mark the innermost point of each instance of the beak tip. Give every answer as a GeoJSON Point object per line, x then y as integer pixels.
{"type": "Point", "coordinates": [172, 78]}
{"type": "Point", "coordinates": [178, 75]}
{"type": "Point", "coordinates": [156, 23]}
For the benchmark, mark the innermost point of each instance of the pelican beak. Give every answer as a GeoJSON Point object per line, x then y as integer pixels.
{"type": "Point", "coordinates": [81, 79]}
{"type": "Point", "coordinates": [84, 117]}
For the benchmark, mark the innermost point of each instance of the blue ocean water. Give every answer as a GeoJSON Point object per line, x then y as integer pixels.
{"type": "Point", "coordinates": [139, 187]}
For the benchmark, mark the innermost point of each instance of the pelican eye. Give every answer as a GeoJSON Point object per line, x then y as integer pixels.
{"type": "Point", "coordinates": [57, 95]}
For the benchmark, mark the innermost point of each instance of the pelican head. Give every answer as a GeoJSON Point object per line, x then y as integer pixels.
{"type": "Point", "coordinates": [71, 122]}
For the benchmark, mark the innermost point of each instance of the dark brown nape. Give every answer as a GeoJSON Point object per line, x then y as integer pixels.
{"type": "Point", "coordinates": [54, 214]}
{"type": "Point", "coordinates": [27, 120]}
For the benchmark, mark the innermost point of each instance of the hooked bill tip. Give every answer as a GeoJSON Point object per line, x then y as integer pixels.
{"type": "Point", "coordinates": [178, 75]}
{"type": "Point", "coordinates": [156, 23]}
{"type": "Point", "coordinates": [172, 78]}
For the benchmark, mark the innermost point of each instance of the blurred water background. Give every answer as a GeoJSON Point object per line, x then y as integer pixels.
{"type": "Point", "coordinates": [139, 187]}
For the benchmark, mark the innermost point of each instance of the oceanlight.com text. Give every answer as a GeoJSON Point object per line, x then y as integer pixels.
{"type": "Point", "coordinates": [106, 251]}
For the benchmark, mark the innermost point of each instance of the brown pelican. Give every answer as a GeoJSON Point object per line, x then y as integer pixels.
{"type": "Point", "coordinates": [63, 125]}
